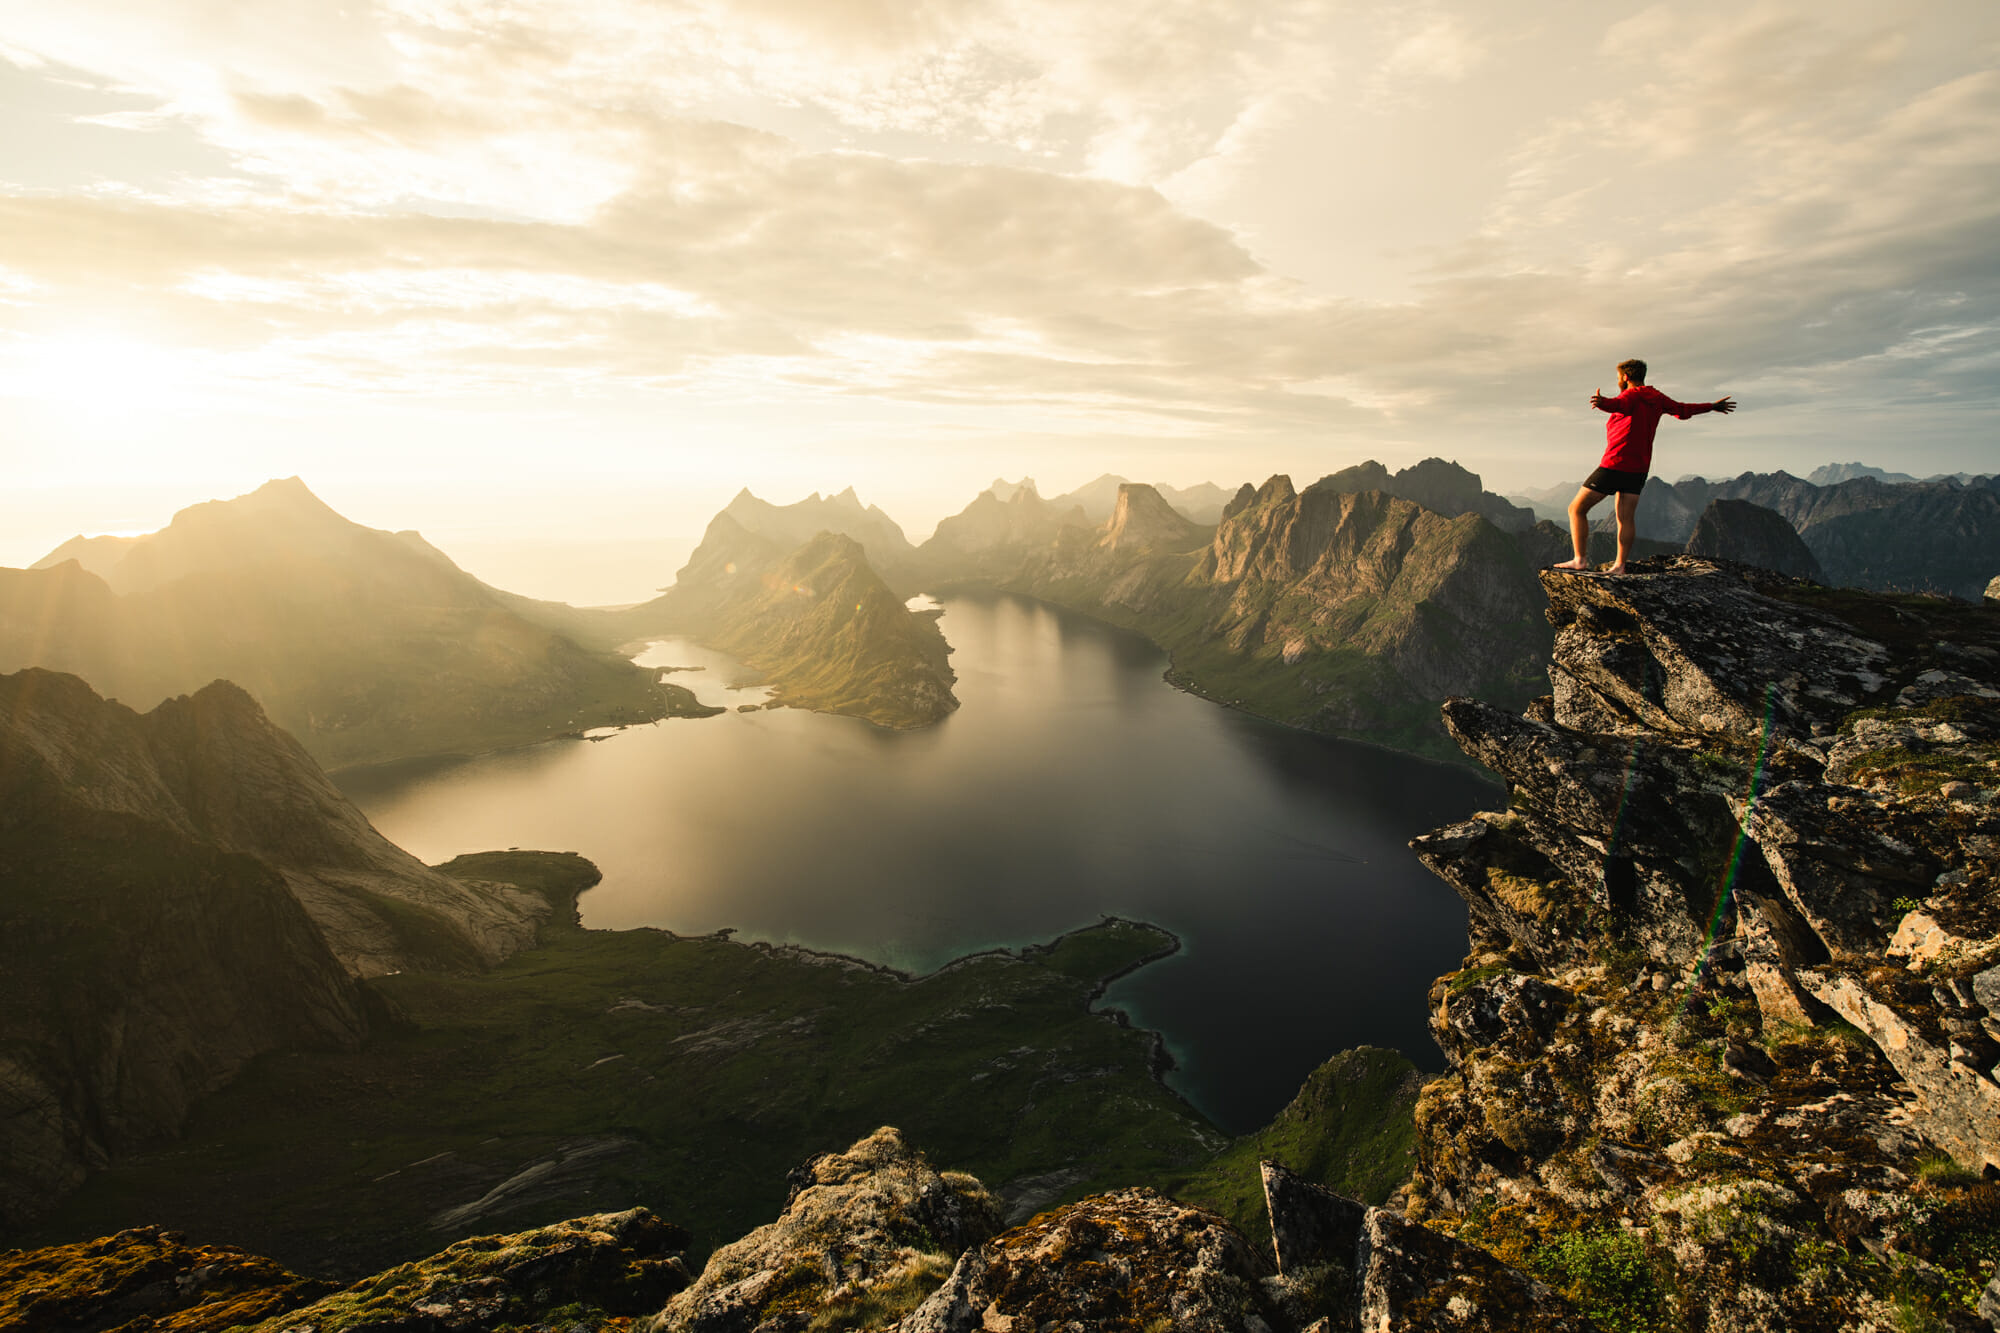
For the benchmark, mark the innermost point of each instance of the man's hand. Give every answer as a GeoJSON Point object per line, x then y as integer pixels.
{"type": "Point", "coordinates": [1725, 404]}
{"type": "Point", "coordinates": [1598, 400]}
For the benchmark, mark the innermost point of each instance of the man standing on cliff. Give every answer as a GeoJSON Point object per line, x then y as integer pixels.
{"type": "Point", "coordinates": [1628, 457]}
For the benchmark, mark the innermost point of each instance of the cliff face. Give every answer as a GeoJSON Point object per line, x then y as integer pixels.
{"type": "Point", "coordinates": [1201, 505]}
{"type": "Point", "coordinates": [1728, 1024]}
{"type": "Point", "coordinates": [1142, 521]}
{"type": "Point", "coordinates": [367, 645]}
{"type": "Point", "coordinates": [1439, 602]}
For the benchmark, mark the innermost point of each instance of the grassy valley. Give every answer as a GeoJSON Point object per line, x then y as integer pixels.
{"type": "Point", "coordinates": [690, 1074]}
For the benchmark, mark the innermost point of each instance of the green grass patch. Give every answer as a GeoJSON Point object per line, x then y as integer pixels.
{"type": "Point", "coordinates": [1352, 1127]}
{"type": "Point", "coordinates": [1609, 1275]}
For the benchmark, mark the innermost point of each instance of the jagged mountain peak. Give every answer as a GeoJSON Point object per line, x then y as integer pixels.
{"type": "Point", "coordinates": [1246, 495]}
{"type": "Point", "coordinates": [1278, 487]}
{"type": "Point", "coordinates": [289, 496]}
{"type": "Point", "coordinates": [1004, 490]}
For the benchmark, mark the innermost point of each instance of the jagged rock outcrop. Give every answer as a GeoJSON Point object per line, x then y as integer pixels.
{"type": "Point", "coordinates": [1725, 1027]}
{"type": "Point", "coordinates": [1750, 534]}
{"type": "Point", "coordinates": [366, 645]}
{"type": "Point", "coordinates": [1131, 1259]}
{"type": "Point", "coordinates": [870, 1238]}
{"type": "Point", "coordinates": [872, 1229]}
{"type": "Point", "coordinates": [572, 1273]}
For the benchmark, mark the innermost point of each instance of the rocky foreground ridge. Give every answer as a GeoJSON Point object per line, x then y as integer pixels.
{"type": "Point", "coordinates": [870, 1238]}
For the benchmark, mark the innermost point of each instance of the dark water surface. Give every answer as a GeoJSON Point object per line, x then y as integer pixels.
{"type": "Point", "coordinates": [1074, 782]}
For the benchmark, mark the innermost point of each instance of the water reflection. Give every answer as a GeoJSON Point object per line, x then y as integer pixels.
{"type": "Point", "coordinates": [1072, 783]}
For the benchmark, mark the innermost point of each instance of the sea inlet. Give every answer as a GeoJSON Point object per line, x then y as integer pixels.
{"type": "Point", "coordinates": [1073, 783]}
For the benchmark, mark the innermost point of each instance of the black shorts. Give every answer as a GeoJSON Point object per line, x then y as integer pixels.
{"type": "Point", "coordinates": [1608, 479]}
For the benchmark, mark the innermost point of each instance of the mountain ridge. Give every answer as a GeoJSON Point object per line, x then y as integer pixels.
{"type": "Point", "coordinates": [367, 645]}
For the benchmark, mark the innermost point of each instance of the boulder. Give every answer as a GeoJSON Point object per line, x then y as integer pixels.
{"type": "Point", "coordinates": [1129, 1259]}
{"type": "Point", "coordinates": [873, 1226]}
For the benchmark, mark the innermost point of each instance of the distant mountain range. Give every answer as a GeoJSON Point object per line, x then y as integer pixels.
{"type": "Point", "coordinates": [1198, 504]}
{"type": "Point", "coordinates": [1350, 608]}
{"type": "Point", "coordinates": [367, 645]}
{"type": "Point", "coordinates": [1865, 528]}
{"type": "Point", "coordinates": [371, 645]}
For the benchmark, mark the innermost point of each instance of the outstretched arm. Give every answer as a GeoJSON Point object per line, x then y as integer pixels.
{"type": "Point", "coordinates": [1725, 405]}
{"type": "Point", "coordinates": [1614, 405]}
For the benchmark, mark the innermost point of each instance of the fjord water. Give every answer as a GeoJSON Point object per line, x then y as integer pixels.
{"type": "Point", "coordinates": [1072, 783]}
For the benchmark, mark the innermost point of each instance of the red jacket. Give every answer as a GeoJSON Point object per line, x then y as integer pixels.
{"type": "Point", "coordinates": [1635, 417]}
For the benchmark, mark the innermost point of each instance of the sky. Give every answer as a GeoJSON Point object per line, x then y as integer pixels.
{"type": "Point", "coordinates": [550, 281]}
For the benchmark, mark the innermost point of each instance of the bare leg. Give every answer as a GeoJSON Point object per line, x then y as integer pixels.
{"type": "Point", "coordinates": [1579, 527]}
{"type": "Point", "coordinates": [1628, 529]}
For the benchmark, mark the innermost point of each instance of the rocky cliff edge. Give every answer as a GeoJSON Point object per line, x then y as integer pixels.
{"type": "Point", "coordinates": [1726, 1036]}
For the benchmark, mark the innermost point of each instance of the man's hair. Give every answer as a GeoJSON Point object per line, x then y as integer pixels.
{"type": "Point", "coordinates": [1635, 370]}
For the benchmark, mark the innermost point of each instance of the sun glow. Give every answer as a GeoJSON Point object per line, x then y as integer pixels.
{"type": "Point", "coordinates": [95, 374]}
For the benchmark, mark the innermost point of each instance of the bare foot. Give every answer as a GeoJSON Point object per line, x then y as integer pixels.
{"type": "Point", "coordinates": [1572, 564]}
{"type": "Point", "coordinates": [1613, 569]}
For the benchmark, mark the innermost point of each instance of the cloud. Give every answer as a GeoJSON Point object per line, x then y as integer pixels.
{"type": "Point", "coordinates": [954, 203]}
